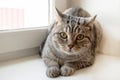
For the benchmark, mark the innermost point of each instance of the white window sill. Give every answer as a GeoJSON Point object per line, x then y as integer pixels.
{"type": "Point", "coordinates": [33, 68]}
{"type": "Point", "coordinates": [21, 42]}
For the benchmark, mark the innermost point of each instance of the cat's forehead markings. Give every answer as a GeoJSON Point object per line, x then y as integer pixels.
{"type": "Point", "coordinates": [74, 23]}
{"type": "Point", "coordinates": [74, 19]}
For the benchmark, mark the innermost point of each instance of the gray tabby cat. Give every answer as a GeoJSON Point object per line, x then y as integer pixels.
{"type": "Point", "coordinates": [71, 43]}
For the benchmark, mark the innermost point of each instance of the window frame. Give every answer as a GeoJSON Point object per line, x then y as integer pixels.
{"type": "Point", "coordinates": [22, 42]}
{"type": "Point", "coordinates": [15, 43]}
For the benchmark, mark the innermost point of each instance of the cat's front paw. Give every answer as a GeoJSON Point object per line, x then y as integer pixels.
{"type": "Point", "coordinates": [67, 71]}
{"type": "Point", "coordinates": [53, 72]}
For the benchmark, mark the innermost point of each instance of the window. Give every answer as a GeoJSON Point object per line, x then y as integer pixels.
{"type": "Point", "coordinates": [22, 26]}
{"type": "Point", "coordinates": [16, 14]}
{"type": "Point", "coordinates": [29, 18]}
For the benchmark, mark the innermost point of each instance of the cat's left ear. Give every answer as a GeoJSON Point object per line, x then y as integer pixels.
{"type": "Point", "coordinates": [90, 21]}
{"type": "Point", "coordinates": [60, 17]}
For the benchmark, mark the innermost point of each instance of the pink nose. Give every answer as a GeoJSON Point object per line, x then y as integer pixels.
{"type": "Point", "coordinates": [70, 46]}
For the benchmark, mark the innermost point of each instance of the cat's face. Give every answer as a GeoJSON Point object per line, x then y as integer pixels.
{"type": "Point", "coordinates": [71, 34]}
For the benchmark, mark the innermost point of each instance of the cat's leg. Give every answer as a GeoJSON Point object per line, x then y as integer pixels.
{"type": "Point", "coordinates": [83, 64]}
{"type": "Point", "coordinates": [67, 69]}
{"type": "Point", "coordinates": [53, 69]}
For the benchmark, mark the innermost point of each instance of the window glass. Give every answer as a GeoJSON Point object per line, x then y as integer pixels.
{"type": "Point", "coordinates": [15, 14]}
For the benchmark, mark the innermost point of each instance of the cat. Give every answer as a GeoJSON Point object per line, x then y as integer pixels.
{"type": "Point", "coordinates": [71, 43]}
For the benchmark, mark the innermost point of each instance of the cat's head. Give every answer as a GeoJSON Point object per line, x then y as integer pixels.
{"type": "Point", "coordinates": [71, 34]}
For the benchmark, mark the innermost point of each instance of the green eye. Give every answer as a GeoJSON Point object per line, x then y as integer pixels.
{"type": "Point", "coordinates": [63, 35]}
{"type": "Point", "coordinates": [80, 37]}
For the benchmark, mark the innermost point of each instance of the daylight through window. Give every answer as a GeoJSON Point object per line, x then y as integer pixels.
{"type": "Point", "coordinates": [16, 14]}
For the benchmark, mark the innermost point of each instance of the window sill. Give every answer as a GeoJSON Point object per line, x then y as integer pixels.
{"type": "Point", "coordinates": [13, 41]}
{"type": "Point", "coordinates": [33, 68]}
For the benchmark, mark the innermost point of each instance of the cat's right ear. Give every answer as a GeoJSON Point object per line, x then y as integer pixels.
{"type": "Point", "coordinates": [59, 15]}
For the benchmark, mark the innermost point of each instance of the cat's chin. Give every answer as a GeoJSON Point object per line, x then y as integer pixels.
{"type": "Point", "coordinates": [70, 53]}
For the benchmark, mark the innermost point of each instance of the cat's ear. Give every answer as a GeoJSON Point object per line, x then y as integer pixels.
{"type": "Point", "coordinates": [59, 15]}
{"type": "Point", "coordinates": [90, 21]}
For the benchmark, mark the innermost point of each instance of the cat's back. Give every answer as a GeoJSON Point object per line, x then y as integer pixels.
{"type": "Point", "coordinates": [77, 11]}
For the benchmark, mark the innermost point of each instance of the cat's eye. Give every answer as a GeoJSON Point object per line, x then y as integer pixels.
{"type": "Point", "coordinates": [63, 35]}
{"type": "Point", "coordinates": [79, 37]}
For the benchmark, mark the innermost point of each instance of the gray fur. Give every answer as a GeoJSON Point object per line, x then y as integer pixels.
{"type": "Point", "coordinates": [65, 56]}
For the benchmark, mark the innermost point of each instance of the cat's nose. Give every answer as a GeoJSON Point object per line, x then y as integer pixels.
{"type": "Point", "coordinates": [70, 46]}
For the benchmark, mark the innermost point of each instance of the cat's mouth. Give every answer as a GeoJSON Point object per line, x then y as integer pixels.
{"type": "Point", "coordinates": [68, 51]}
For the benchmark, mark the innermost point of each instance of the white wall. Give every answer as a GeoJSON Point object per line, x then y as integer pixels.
{"type": "Point", "coordinates": [61, 4]}
{"type": "Point", "coordinates": [108, 12]}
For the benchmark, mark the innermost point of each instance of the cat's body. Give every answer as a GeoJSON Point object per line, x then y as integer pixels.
{"type": "Point", "coordinates": [71, 43]}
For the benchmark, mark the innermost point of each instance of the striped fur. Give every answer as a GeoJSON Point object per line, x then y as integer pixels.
{"type": "Point", "coordinates": [62, 52]}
